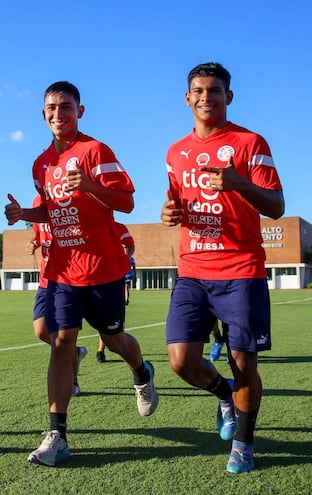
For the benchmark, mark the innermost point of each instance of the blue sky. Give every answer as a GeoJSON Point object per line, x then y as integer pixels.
{"type": "Point", "coordinates": [130, 60]}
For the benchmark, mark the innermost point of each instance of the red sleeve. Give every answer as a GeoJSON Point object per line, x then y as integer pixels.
{"type": "Point", "coordinates": [124, 234]}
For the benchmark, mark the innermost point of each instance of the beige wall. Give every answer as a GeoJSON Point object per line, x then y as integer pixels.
{"type": "Point", "coordinates": [287, 240]}
{"type": "Point", "coordinates": [156, 245]}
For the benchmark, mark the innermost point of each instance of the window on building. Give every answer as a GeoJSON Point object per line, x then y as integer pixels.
{"type": "Point", "coordinates": [155, 279]}
{"type": "Point", "coordinates": [286, 271]}
{"type": "Point", "coordinates": [13, 275]}
{"type": "Point", "coordinates": [31, 277]}
{"type": "Point", "coordinates": [269, 273]}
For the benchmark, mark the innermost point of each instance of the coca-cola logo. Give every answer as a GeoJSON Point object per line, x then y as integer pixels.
{"type": "Point", "coordinates": [208, 232]}
{"type": "Point", "coordinates": [67, 232]}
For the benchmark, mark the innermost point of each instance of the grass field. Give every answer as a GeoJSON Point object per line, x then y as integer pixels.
{"type": "Point", "coordinates": [177, 451]}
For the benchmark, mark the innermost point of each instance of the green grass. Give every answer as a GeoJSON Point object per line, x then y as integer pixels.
{"type": "Point", "coordinates": [177, 451]}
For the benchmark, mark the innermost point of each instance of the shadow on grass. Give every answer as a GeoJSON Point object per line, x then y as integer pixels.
{"type": "Point", "coordinates": [163, 392]}
{"type": "Point", "coordinates": [285, 392]}
{"type": "Point", "coordinates": [283, 359]}
{"type": "Point", "coordinates": [163, 358]}
{"type": "Point", "coordinates": [185, 442]}
{"type": "Point", "coordinates": [190, 392]}
{"type": "Point", "coordinates": [113, 358]}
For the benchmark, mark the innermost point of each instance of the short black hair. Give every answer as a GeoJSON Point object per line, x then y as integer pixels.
{"type": "Point", "coordinates": [64, 86]}
{"type": "Point", "coordinates": [210, 69]}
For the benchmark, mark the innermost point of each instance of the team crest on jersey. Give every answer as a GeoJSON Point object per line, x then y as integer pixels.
{"type": "Point", "coordinates": [202, 159]}
{"type": "Point", "coordinates": [72, 164]}
{"type": "Point", "coordinates": [225, 152]}
{"type": "Point", "coordinates": [57, 173]}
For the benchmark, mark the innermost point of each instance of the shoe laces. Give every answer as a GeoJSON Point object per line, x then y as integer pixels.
{"type": "Point", "coordinates": [243, 454]}
{"type": "Point", "coordinates": [143, 390]}
{"type": "Point", "coordinates": [51, 437]}
{"type": "Point", "coordinates": [227, 415]}
{"type": "Point", "coordinates": [216, 345]}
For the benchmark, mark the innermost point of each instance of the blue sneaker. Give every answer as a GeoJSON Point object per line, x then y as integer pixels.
{"type": "Point", "coordinates": [226, 419]}
{"type": "Point", "coordinates": [215, 351]}
{"type": "Point", "coordinates": [240, 462]}
{"type": "Point", "coordinates": [82, 352]}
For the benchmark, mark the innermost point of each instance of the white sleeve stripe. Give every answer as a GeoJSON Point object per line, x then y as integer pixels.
{"type": "Point", "coordinates": [261, 160]}
{"type": "Point", "coordinates": [105, 168]}
{"type": "Point", "coordinates": [125, 235]}
{"type": "Point", "coordinates": [169, 167]}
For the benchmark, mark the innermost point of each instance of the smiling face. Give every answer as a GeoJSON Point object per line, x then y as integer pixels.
{"type": "Point", "coordinates": [208, 100]}
{"type": "Point", "coordinates": [61, 113]}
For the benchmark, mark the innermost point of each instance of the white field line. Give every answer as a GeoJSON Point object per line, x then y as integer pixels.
{"type": "Point", "coordinates": [293, 301]}
{"type": "Point", "coordinates": [27, 346]}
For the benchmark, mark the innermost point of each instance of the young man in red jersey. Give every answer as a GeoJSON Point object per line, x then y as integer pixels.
{"type": "Point", "coordinates": [81, 183]}
{"type": "Point", "coordinates": [221, 178]}
{"type": "Point", "coordinates": [42, 239]}
{"type": "Point", "coordinates": [127, 242]}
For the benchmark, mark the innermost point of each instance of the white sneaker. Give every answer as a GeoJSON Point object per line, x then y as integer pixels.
{"type": "Point", "coordinates": [52, 450]}
{"type": "Point", "coordinates": [82, 352]}
{"type": "Point", "coordinates": [76, 390]}
{"type": "Point", "coordinates": [147, 396]}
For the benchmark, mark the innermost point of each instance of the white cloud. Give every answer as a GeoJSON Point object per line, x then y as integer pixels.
{"type": "Point", "coordinates": [23, 93]}
{"type": "Point", "coordinates": [11, 90]}
{"type": "Point", "coordinates": [17, 136]}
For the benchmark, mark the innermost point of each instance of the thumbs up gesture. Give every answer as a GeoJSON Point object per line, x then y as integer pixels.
{"type": "Point", "coordinates": [13, 210]}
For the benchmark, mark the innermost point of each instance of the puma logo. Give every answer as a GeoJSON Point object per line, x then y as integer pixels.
{"type": "Point", "coordinates": [185, 153]}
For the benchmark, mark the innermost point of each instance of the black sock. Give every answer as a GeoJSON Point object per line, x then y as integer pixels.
{"type": "Point", "coordinates": [58, 422]}
{"type": "Point", "coordinates": [221, 388]}
{"type": "Point", "coordinates": [141, 375]}
{"type": "Point", "coordinates": [246, 423]}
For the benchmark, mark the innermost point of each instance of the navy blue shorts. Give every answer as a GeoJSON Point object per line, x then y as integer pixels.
{"type": "Point", "coordinates": [243, 305]}
{"type": "Point", "coordinates": [102, 306]}
{"type": "Point", "coordinates": [39, 304]}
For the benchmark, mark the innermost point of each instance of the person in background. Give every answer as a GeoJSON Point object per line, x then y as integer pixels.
{"type": "Point", "coordinates": [221, 179]}
{"type": "Point", "coordinates": [127, 242]}
{"type": "Point", "coordinates": [81, 183]}
{"type": "Point", "coordinates": [42, 239]}
{"type": "Point", "coordinates": [128, 279]}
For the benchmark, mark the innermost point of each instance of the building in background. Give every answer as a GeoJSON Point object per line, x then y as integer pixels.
{"type": "Point", "coordinates": [287, 242]}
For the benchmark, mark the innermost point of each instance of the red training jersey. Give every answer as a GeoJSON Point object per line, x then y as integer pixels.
{"type": "Point", "coordinates": [85, 248]}
{"type": "Point", "coordinates": [124, 235]}
{"type": "Point", "coordinates": [220, 231]}
{"type": "Point", "coordinates": [42, 239]}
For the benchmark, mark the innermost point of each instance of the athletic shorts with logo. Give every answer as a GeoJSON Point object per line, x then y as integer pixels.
{"type": "Point", "coordinates": [102, 306]}
{"type": "Point", "coordinates": [243, 305]}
